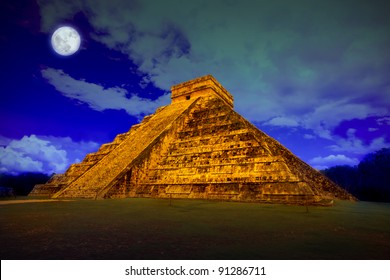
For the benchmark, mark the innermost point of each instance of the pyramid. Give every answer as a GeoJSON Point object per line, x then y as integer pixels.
{"type": "Point", "coordinates": [196, 147]}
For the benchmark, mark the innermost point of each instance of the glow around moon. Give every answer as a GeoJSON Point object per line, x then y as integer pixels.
{"type": "Point", "coordinates": [66, 40]}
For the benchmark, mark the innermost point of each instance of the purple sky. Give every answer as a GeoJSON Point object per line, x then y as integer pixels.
{"type": "Point", "coordinates": [315, 75]}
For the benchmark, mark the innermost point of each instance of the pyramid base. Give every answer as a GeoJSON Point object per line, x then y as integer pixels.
{"type": "Point", "coordinates": [207, 193]}
{"type": "Point", "coordinates": [288, 200]}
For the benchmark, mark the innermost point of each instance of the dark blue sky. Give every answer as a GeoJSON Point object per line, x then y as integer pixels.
{"type": "Point", "coordinates": [315, 75]}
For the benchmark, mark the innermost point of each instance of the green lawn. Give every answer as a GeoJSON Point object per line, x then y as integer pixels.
{"type": "Point", "coordinates": [193, 229]}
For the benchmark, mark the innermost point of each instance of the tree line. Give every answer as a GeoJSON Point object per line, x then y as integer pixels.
{"type": "Point", "coordinates": [21, 184]}
{"type": "Point", "coordinates": [369, 180]}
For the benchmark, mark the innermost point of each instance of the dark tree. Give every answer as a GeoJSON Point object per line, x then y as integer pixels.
{"type": "Point", "coordinates": [370, 180]}
{"type": "Point", "coordinates": [23, 183]}
{"type": "Point", "coordinates": [374, 175]}
{"type": "Point", "coordinates": [345, 176]}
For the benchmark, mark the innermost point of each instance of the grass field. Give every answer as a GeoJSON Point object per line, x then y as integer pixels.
{"type": "Point", "coordinates": [192, 229]}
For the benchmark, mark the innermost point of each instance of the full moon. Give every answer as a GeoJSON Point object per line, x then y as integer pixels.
{"type": "Point", "coordinates": [65, 40]}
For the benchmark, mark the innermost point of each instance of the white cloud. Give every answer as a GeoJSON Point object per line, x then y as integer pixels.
{"type": "Point", "coordinates": [99, 98]}
{"type": "Point", "coordinates": [323, 119]}
{"type": "Point", "coordinates": [309, 136]}
{"type": "Point", "coordinates": [12, 161]}
{"type": "Point", "coordinates": [76, 151]}
{"type": "Point", "coordinates": [320, 167]}
{"type": "Point", "coordinates": [282, 121]}
{"type": "Point", "coordinates": [372, 129]}
{"type": "Point", "coordinates": [354, 145]}
{"type": "Point", "coordinates": [332, 160]}
{"type": "Point", "coordinates": [383, 121]}
{"type": "Point", "coordinates": [47, 154]}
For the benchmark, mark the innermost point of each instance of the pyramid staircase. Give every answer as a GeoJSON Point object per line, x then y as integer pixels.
{"type": "Point", "coordinates": [59, 181]}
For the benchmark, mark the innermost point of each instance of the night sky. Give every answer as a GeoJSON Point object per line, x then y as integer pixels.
{"type": "Point", "coordinates": [315, 75]}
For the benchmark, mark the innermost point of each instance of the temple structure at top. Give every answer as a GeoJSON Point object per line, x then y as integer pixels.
{"type": "Point", "coordinates": [202, 86]}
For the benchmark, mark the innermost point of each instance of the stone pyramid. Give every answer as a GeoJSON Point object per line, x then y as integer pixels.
{"type": "Point", "coordinates": [195, 147]}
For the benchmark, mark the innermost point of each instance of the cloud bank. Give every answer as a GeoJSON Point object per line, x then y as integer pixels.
{"type": "Point", "coordinates": [319, 63]}
{"type": "Point", "coordinates": [99, 98]}
{"type": "Point", "coordinates": [332, 160]}
{"type": "Point", "coordinates": [46, 154]}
